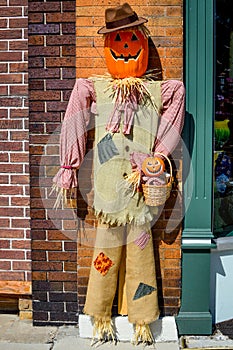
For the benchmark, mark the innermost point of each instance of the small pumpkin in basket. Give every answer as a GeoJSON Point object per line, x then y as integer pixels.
{"type": "Point", "coordinates": [156, 193]}
{"type": "Point", "coordinates": [153, 166]}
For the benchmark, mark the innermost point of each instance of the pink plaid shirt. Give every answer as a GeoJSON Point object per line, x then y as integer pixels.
{"type": "Point", "coordinates": [82, 105]}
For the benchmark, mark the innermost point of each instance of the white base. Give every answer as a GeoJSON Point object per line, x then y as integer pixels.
{"type": "Point", "coordinates": [164, 330]}
{"type": "Point", "coordinates": [221, 282]}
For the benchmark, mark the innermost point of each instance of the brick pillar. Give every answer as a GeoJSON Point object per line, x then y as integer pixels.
{"type": "Point", "coordinates": [51, 78]}
{"type": "Point", "coordinates": [15, 254]}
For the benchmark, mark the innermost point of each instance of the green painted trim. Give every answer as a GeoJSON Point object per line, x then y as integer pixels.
{"type": "Point", "coordinates": [194, 323]}
{"type": "Point", "coordinates": [195, 292]}
{"type": "Point", "coordinates": [197, 233]}
{"type": "Point", "coordinates": [196, 280]}
{"type": "Point", "coordinates": [194, 316]}
{"type": "Point", "coordinates": [199, 246]}
{"type": "Point", "coordinates": [198, 131]}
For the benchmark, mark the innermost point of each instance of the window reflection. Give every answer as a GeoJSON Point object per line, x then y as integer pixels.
{"type": "Point", "coordinates": [223, 155]}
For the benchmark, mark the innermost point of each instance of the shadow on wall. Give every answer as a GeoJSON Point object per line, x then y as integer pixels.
{"type": "Point", "coordinates": [154, 63]}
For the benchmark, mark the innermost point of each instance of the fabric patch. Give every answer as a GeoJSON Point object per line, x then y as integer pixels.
{"type": "Point", "coordinates": [106, 148]}
{"type": "Point", "coordinates": [142, 240]}
{"type": "Point", "coordinates": [142, 290]}
{"type": "Point", "coordinates": [102, 263]}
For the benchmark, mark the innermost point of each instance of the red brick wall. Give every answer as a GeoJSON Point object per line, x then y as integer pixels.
{"type": "Point", "coordinates": [15, 253]}
{"type": "Point", "coordinates": [51, 78]}
{"type": "Point", "coordinates": [165, 22]}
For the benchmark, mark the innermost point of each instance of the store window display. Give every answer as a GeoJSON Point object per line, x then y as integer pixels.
{"type": "Point", "coordinates": [223, 155]}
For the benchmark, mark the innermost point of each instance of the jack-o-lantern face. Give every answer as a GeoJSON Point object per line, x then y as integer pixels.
{"type": "Point", "coordinates": [153, 166]}
{"type": "Point", "coordinates": [126, 53]}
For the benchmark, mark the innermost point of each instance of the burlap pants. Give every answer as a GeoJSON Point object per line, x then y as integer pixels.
{"type": "Point", "coordinates": [134, 246]}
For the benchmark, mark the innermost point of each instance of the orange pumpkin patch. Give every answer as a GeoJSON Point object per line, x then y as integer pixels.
{"type": "Point", "coordinates": [153, 166]}
{"type": "Point", "coordinates": [126, 53]}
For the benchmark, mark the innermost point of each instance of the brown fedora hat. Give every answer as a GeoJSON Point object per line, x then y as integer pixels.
{"type": "Point", "coordinates": [120, 17]}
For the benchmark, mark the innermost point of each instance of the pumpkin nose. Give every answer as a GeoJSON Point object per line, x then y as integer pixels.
{"type": "Point", "coordinates": [126, 46]}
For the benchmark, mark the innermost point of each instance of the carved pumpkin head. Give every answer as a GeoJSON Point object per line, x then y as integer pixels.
{"type": "Point", "coordinates": [126, 52]}
{"type": "Point", "coordinates": [153, 166]}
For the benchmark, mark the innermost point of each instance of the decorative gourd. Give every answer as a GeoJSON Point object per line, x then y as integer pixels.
{"type": "Point", "coordinates": [126, 53]}
{"type": "Point", "coordinates": [153, 166]}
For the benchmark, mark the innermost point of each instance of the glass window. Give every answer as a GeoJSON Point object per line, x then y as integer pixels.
{"type": "Point", "coordinates": [223, 153]}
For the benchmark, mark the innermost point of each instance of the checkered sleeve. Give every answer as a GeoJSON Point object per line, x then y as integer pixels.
{"type": "Point", "coordinates": [172, 118]}
{"type": "Point", "coordinates": [74, 133]}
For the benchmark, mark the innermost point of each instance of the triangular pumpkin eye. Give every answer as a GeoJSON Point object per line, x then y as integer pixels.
{"type": "Point", "coordinates": [134, 38]}
{"type": "Point", "coordinates": [117, 38]}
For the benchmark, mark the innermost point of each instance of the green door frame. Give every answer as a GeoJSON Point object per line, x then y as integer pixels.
{"type": "Point", "coordinates": [194, 316]}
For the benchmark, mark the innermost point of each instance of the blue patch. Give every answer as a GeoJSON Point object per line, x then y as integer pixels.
{"type": "Point", "coordinates": [106, 148]}
{"type": "Point", "coordinates": [143, 290]}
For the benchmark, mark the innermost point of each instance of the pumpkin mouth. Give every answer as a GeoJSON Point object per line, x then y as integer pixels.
{"type": "Point", "coordinates": [155, 172]}
{"type": "Point", "coordinates": [125, 58]}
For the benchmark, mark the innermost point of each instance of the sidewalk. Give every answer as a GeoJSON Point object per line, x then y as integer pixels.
{"type": "Point", "coordinates": [18, 334]}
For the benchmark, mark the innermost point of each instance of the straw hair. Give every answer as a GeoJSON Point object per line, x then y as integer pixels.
{"type": "Point", "coordinates": [122, 89]}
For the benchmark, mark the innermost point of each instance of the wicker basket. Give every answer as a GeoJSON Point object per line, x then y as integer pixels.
{"type": "Point", "coordinates": [158, 194]}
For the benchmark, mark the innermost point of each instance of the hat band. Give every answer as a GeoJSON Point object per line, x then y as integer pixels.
{"type": "Point", "coordinates": [122, 22]}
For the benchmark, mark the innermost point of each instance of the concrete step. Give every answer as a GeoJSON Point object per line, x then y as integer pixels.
{"type": "Point", "coordinates": [164, 330]}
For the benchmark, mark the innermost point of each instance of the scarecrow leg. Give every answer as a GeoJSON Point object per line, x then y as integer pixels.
{"type": "Point", "coordinates": [103, 279]}
{"type": "Point", "coordinates": [141, 286]}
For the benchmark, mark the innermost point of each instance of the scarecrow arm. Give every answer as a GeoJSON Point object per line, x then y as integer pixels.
{"type": "Point", "coordinates": [172, 119]}
{"type": "Point", "coordinates": [74, 133]}
{"type": "Point", "coordinates": [171, 123]}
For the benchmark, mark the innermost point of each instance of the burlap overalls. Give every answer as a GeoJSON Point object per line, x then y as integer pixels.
{"type": "Point", "coordinates": [123, 233]}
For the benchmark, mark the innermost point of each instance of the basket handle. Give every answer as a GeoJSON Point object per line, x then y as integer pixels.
{"type": "Point", "coordinates": [169, 162]}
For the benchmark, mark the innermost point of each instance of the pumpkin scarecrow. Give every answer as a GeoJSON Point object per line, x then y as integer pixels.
{"type": "Point", "coordinates": [138, 121]}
